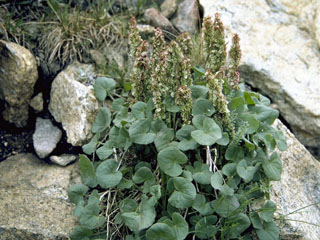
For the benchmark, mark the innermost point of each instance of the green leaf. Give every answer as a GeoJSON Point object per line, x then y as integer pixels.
{"type": "Point", "coordinates": [125, 184]}
{"type": "Point", "coordinates": [269, 231]}
{"type": "Point", "coordinates": [118, 104]}
{"type": "Point", "coordinates": [224, 140]}
{"type": "Point", "coordinates": [205, 228]}
{"type": "Point", "coordinates": [158, 125]}
{"type": "Point", "coordinates": [203, 106]}
{"type": "Point", "coordinates": [105, 151]}
{"type": "Point", "coordinates": [248, 97]}
{"type": "Point", "coordinates": [237, 104]}
{"type": "Point", "coordinates": [80, 233]}
{"type": "Point", "coordinates": [169, 160]}
{"type": "Point", "coordinates": [90, 147]}
{"type": "Point", "coordinates": [217, 183]}
{"type": "Point", "coordinates": [76, 192]}
{"type": "Point", "coordinates": [90, 215]}
{"type": "Point", "coordinates": [225, 205]}
{"type": "Point", "coordinates": [171, 105]}
{"type": "Point", "coordinates": [234, 153]}
{"type": "Point", "coordinates": [160, 231]}
{"type": "Point", "coordinates": [120, 137]}
{"type": "Point", "coordinates": [201, 173]}
{"type": "Point", "coordinates": [88, 174]}
{"type": "Point", "coordinates": [102, 86]}
{"type": "Point", "coordinates": [142, 218]}
{"type": "Point", "coordinates": [108, 175]}
{"type": "Point", "coordinates": [102, 121]}
{"type": "Point", "coordinates": [208, 131]}
{"type": "Point", "coordinates": [245, 172]}
{"type": "Point", "coordinates": [79, 208]}
{"type": "Point", "coordinates": [123, 117]}
{"type": "Point", "coordinates": [199, 91]}
{"type": "Point", "coordinates": [186, 141]}
{"type": "Point", "coordinates": [229, 169]}
{"type": "Point", "coordinates": [273, 167]}
{"type": "Point", "coordinates": [143, 174]}
{"type": "Point", "coordinates": [184, 193]}
{"type": "Point", "coordinates": [267, 211]}
{"type": "Point", "coordinates": [179, 226]}
{"type": "Point", "coordinates": [202, 206]}
{"type": "Point", "coordinates": [163, 138]}
{"type": "Point", "coordinates": [128, 205]}
{"type": "Point", "coordinates": [253, 123]}
{"type": "Point", "coordinates": [267, 138]}
{"type": "Point", "coordinates": [139, 132]}
{"type": "Point", "coordinates": [255, 219]}
{"type": "Point", "coordinates": [238, 225]}
{"type": "Point", "coordinates": [264, 113]}
{"type": "Point", "coordinates": [138, 110]}
{"type": "Point", "coordinates": [280, 140]}
{"type": "Point", "coordinates": [155, 191]}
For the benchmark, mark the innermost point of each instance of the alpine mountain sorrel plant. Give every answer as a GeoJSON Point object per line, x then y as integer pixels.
{"type": "Point", "coordinates": [187, 154]}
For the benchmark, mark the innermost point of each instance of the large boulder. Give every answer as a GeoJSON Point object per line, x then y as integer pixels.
{"type": "Point", "coordinates": [72, 102]}
{"type": "Point", "coordinates": [33, 199]}
{"type": "Point", "coordinates": [18, 75]}
{"type": "Point", "coordinates": [297, 194]}
{"type": "Point", "coordinates": [280, 55]}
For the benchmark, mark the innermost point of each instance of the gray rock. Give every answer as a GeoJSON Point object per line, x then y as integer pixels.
{"type": "Point", "coordinates": [18, 75]}
{"type": "Point", "coordinates": [64, 159]}
{"type": "Point", "coordinates": [299, 187]}
{"type": "Point", "coordinates": [280, 56]}
{"type": "Point", "coordinates": [45, 137]}
{"type": "Point", "coordinates": [33, 199]}
{"type": "Point", "coordinates": [37, 102]}
{"type": "Point", "coordinates": [73, 104]}
{"type": "Point", "coordinates": [168, 8]}
{"type": "Point", "coordinates": [156, 19]}
{"type": "Point", "coordinates": [187, 18]}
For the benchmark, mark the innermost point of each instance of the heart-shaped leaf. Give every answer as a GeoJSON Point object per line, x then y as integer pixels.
{"type": "Point", "coordinates": [205, 228]}
{"type": "Point", "coordinates": [245, 172]}
{"type": "Point", "coordinates": [203, 106]}
{"type": "Point", "coordinates": [267, 211]}
{"type": "Point", "coordinates": [225, 205]}
{"type": "Point", "coordinates": [269, 231]}
{"type": "Point", "coordinates": [184, 193]}
{"type": "Point", "coordinates": [102, 87]}
{"type": "Point", "coordinates": [201, 173]}
{"type": "Point", "coordinates": [273, 167]}
{"type": "Point", "coordinates": [143, 174]}
{"type": "Point", "coordinates": [239, 224]}
{"type": "Point", "coordinates": [186, 141]}
{"type": "Point", "coordinates": [253, 123]}
{"type": "Point", "coordinates": [108, 175]}
{"type": "Point", "coordinates": [102, 121]}
{"type": "Point", "coordinates": [202, 206]}
{"type": "Point", "coordinates": [199, 91]}
{"type": "Point", "coordinates": [139, 132]}
{"type": "Point", "coordinates": [234, 153]}
{"type": "Point", "coordinates": [208, 131]}
{"type": "Point", "coordinates": [88, 174]}
{"type": "Point", "coordinates": [138, 110]}
{"type": "Point", "coordinates": [160, 231]}
{"type": "Point", "coordinates": [217, 183]}
{"type": "Point", "coordinates": [76, 192]}
{"type": "Point", "coordinates": [169, 160]}
{"type": "Point", "coordinates": [105, 151]}
{"type": "Point", "coordinates": [163, 138]}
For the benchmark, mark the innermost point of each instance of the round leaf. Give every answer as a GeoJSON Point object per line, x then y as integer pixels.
{"type": "Point", "coordinates": [138, 110]}
{"type": "Point", "coordinates": [169, 160]}
{"type": "Point", "coordinates": [102, 121]}
{"type": "Point", "coordinates": [107, 174]}
{"type": "Point", "coordinates": [103, 85]}
{"type": "Point", "coordinates": [205, 228]}
{"type": "Point", "coordinates": [273, 167]}
{"type": "Point", "coordinates": [269, 231]}
{"type": "Point", "coordinates": [203, 207]}
{"type": "Point", "coordinates": [203, 106]}
{"type": "Point", "coordinates": [184, 193]}
{"type": "Point", "coordinates": [76, 192]}
{"type": "Point", "coordinates": [160, 231]}
{"type": "Point", "coordinates": [179, 226]}
{"type": "Point", "coordinates": [209, 132]}
{"type": "Point", "coordinates": [143, 174]}
{"type": "Point", "coordinates": [225, 205]}
{"type": "Point", "coordinates": [245, 172]}
{"type": "Point", "coordinates": [139, 132]}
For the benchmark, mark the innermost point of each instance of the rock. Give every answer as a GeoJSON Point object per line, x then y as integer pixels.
{"type": "Point", "coordinates": [279, 56]}
{"type": "Point", "coordinates": [98, 57]}
{"type": "Point", "coordinates": [33, 199]}
{"type": "Point", "coordinates": [64, 159]}
{"type": "Point", "coordinates": [37, 103]}
{"type": "Point", "coordinates": [156, 19]}
{"type": "Point", "coordinates": [45, 137]}
{"type": "Point", "coordinates": [188, 17]}
{"type": "Point", "coordinates": [18, 75]}
{"type": "Point", "coordinates": [73, 104]}
{"type": "Point", "coordinates": [168, 8]}
{"type": "Point", "coordinates": [298, 188]}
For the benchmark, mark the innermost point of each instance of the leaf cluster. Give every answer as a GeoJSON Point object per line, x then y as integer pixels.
{"type": "Point", "coordinates": [145, 178]}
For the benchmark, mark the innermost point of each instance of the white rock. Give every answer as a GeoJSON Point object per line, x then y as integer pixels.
{"type": "Point", "coordinates": [64, 159]}
{"type": "Point", "coordinates": [299, 187]}
{"type": "Point", "coordinates": [18, 75]}
{"type": "Point", "coordinates": [45, 137]}
{"type": "Point", "coordinates": [280, 56]}
{"type": "Point", "coordinates": [73, 104]}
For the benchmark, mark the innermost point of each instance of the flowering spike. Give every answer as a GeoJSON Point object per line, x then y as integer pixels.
{"type": "Point", "coordinates": [184, 100]}
{"type": "Point", "coordinates": [214, 46]}
{"type": "Point", "coordinates": [185, 43]}
{"type": "Point", "coordinates": [234, 61]}
{"type": "Point", "coordinates": [134, 37]}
